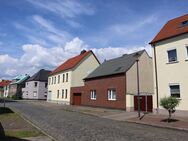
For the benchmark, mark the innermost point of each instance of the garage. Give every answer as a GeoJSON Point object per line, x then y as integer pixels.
{"type": "Point", "coordinates": [146, 103]}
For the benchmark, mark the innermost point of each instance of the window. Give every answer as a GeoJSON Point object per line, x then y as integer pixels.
{"type": "Point", "coordinates": [63, 77]}
{"type": "Point", "coordinates": [66, 77]}
{"type": "Point", "coordinates": [46, 84]}
{"type": "Point", "coordinates": [62, 93]}
{"type": "Point", "coordinates": [184, 23]}
{"type": "Point", "coordinates": [187, 50]}
{"type": "Point", "coordinates": [57, 93]}
{"type": "Point", "coordinates": [49, 81]}
{"type": "Point", "coordinates": [66, 94]}
{"type": "Point", "coordinates": [34, 93]}
{"type": "Point", "coordinates": [58, 78]}
{"type": "Point", "coordinates": [35, 84]}
{"type": "Point", "coordinates": [111, 94]}
{"type": "Point", "coordinates": [172, 55]}
{"type": "Point", "coordinates": [175, 90]}
{"type": "Point", "coordinates": [54, 79]}
{"type": "Point", "coordinates": [93, 94]}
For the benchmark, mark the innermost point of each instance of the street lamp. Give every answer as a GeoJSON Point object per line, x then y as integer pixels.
{"type": "Point", "coordinates": [137, 55]}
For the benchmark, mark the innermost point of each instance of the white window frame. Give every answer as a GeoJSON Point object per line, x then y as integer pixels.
{"type": "Point", "coordinates": [93, 94]}
{"type": "Point", "coordinates": [174, 84]}
{"type": "Point", "coordinates": [111, 95]}
{"type": "Point", "coordinates": [34, 94]}
{"type": "Point", "coordinates": [168, 55]}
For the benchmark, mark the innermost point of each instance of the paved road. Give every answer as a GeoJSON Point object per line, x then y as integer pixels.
{"type": "Point", "coordinates": [74, 126]}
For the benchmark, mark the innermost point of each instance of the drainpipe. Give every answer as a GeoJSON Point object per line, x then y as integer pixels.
{"type": "Point", "coordinates": [156, 78]}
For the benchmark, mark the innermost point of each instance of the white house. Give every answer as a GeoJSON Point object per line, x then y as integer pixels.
{"type": "Point", "coordinates": [69, 75]}
{"type": "Point", "coordinates": [170, 59]}
{"type": "Point", "coordinates": [36, 86]}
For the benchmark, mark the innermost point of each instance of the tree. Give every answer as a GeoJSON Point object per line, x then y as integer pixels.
{"type": "Point", "coordinates": [169, 103]}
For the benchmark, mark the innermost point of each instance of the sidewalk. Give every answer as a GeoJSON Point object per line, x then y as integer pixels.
{"type": "Point", "coordinates": [180, 123]}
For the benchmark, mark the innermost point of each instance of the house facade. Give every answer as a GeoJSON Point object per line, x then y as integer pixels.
{"type": "Point", "coordinates": [4, 88]}
{"type": "Point", "coordinates": [114, 83]}
{"type": "Point", "coordinates": [70, 75]}
{"type": "Point", "coordinates": [36, 86]}
{"type": "Point", "coordinates": [15, 87]}
{"type": "Point", "coordinates": [170, 59]}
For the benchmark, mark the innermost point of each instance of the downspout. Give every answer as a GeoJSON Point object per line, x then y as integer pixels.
{"type": "Point", "coordinates": [156, 77]}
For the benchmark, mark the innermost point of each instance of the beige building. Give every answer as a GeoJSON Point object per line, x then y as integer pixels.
{"type": "Point", "coordinates": [69, 75]}
{"type": "Point", "coordinates": [170, 59]}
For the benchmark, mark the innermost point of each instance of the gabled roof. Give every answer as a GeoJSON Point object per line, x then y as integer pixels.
{"type": "Point", "coordinates": [41, 75]}
{"type": "Point", "coordinates": [20, 78]}
{"type": "Point", "coordinates": [115, 66]}
{"type": "Point", "coordinates": [172, 28]}
{"type": "Point", "coordinates": [4, 83]}
{"type": "Point", "coordinates": [72, 62]}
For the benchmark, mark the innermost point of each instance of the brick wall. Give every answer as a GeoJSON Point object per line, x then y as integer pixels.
{"type": "Point", "coordinates": [101, 85]}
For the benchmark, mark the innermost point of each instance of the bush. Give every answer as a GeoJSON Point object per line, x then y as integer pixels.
{"type": "Point", "coordinates": [169, 103]}
{"type": "Point", "coordinates": [14, 97]}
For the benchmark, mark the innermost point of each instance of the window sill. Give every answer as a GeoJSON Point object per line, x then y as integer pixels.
{"type": "Point", "coordinates": [172, 62]}
{"type": "Point", "coordinates": [186, 59]}
{"type": "Point", "coordinates": [111, 99]}
{"type": "Point", "coordinates": [93, 99]}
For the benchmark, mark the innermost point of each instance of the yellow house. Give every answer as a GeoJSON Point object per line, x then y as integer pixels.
{"type": "Point", "coordinates": [170, 60]}
{"type": "Point", "coordinates": [69, 75]}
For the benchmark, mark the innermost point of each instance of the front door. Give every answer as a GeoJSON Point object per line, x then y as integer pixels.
{"type": "Point", "coordinates": [77, 99]}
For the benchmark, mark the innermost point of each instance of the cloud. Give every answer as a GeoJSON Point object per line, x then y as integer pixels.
{"type": "Point", "coordinates": [65, 8]}
{"type": "Point", "coordinates": [36, 57]}
{"type": "Point", "coordinates": [127, 28]}
{"type": "Point", "coordinates": [43, 31]}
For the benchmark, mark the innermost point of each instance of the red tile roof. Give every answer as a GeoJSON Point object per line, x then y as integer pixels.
{"type": "Point", "coordinates": [71, 63]}
{"type": "Point", "coordinates": [4, 83]}
{"type": "Point", "coordinates": [171, 29]}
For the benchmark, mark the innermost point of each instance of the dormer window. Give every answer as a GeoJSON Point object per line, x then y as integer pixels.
{"type": "Point", "coordinates": [184, 23]}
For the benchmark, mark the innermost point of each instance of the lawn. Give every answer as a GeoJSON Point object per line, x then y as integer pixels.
{"type": "Point", "coordinates": [13, 126]}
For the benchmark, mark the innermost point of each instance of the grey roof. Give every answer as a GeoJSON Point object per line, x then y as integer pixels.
{"type": "Point", "coordinates": [115, 66]}
{"type": "Point", "coordinates": [41, 75]}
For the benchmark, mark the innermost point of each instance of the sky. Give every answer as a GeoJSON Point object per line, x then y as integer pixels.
{"type": "Point", "coordinates": [36, 34]}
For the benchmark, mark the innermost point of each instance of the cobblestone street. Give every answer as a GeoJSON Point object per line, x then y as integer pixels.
{"type": "Point", "coordinates": [73, 126]}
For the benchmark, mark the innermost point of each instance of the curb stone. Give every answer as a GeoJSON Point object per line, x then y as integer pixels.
{"type": "Point", "coordinates": [159, 126]}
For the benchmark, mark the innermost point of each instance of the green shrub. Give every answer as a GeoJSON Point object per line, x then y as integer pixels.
{"type": "Point", "coordinates": [14, 97]}
{"type": "Point", "coordinates": [169, 103]}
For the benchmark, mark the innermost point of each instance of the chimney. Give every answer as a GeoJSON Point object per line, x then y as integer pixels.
{"type": "Point", "coordinates": [83, 51]}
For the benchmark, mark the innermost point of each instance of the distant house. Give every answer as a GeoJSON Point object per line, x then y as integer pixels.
{"type": "Point", "coordinates": [69, 76]}
{"type": "Point", "coordinates": [170, 57]}
{"type": "Point", "coordinates": [4, 88]}
{"type": "Point", "coordinates": [36, 86]}
{"type": "Point", "coordinates": [114, 83]}
{"type": "Point", "coordinates": [15, 87]}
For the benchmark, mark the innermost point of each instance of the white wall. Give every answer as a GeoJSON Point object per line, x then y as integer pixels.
{"type": "Point", "coordinates": [60, 86]}
{"type": "Point", "coordinates": [172, 73]}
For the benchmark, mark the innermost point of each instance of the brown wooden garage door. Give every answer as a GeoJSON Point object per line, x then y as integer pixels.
{"type": "Point", "coordinates": [146, 103]}
{"type": "Point", "coordinates": [77, 99]}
